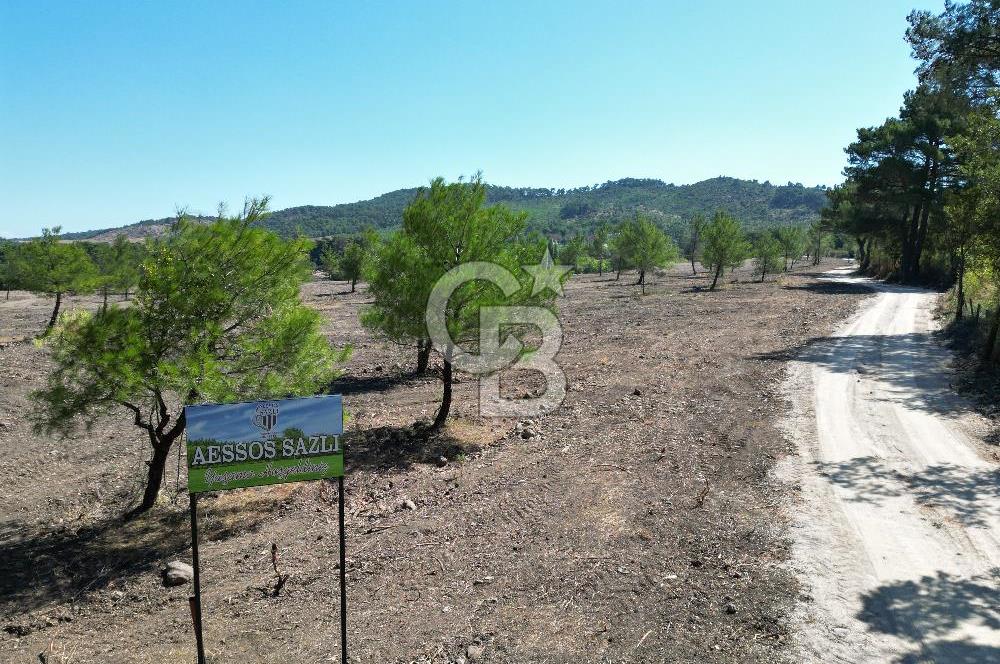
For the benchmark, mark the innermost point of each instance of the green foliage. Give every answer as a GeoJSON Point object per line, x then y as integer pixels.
{"type": "Point", "coordinates": [975, 214]}
{"type": "Point", "coordinates": [645, 246]}
{"type": "Point", "coordinates": [126, 261]}
{"type": "Point", "coordinates": [725, 245]}
{"type": "Point", "coordinates": [53, 267]}
{"type": "Point", "coordinates": [350, 262]}
{"type": "Point", "coordinates": [216, 317]}
{"type": "Point", "coordinates": [819, 242]}
{"type": "Point", "coordinates": [117, 265]}
{"type": "Point", "coordinates": [574, 252]}
{"type": "Point", "coordinates": [56, 267]}
{"type": "Point", "coordinates": [445, 226]}
{"type": "Point", "coordinates": [793, 242]}
{"type": "Point", "coordinates": [599, 245]}
{"type": "Point", "coordinates": [696, 230]}
{"type": "Point", "coordinates": [13, 268]}
{"type": "Point", "coordinates": [767, 254]}
{"type": "Point", "coordinates": [619, 248]}
{"type": "Point", "coordinates": [958, 48]}
{"type": "Point", "coordinates": [400, 277]}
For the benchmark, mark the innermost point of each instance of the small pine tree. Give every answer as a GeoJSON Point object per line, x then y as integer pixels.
{"type": "Point", "coordinates": [818, 242]}
{"type": "Point", "coordinates": [696, 229]}
{"type": "Point", "coordinates": [767, 254]}
{"type": "Point", "coordinates": [647, 247]}
{"type": "Point", "coordinates": [352, 263]}
{"type": "Point", "coordinates": [725, 245]}
{"type": "Point", "coordinates": [574, 251]}
{"type": "Point", "coordinates": [12, 266]}
{"type": "Point", "coordinates": [599, 246]}
{"type": "Point", "coordinates": [792, 240]}
{"type": "Point", "coordinates": [54, 268]}
{"type": "Point", "coordinates": [445, 226]}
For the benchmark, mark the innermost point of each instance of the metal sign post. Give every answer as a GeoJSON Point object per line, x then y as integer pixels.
{"type": "Point", "coordinates": [343, 575]}
{"type": "Point", "coordinates": [232, 446]}
{"type": "Point", "coordinates": [195, 601]}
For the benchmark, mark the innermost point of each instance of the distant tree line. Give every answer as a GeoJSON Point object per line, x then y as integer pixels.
{"type": "Point", "coordinates": [720, 244]}
{"type": "Point", "coordinates": [51, 266]}
{"type": "Point", "coordinates": [921, 198]}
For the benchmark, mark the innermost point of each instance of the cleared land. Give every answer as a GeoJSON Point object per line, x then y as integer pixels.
{"type": "Point", "coordinates": [638, 523]}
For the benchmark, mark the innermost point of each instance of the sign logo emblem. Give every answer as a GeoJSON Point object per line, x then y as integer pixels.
{"type": "Point", "coordinates": [265, 417]}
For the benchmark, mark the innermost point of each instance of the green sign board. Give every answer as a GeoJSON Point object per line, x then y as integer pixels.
{"type": "Point", "coordinates": [236, 445]}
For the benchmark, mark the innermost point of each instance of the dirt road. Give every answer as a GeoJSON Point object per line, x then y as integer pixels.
{"type": "Point", "coordinates": [897, 540]}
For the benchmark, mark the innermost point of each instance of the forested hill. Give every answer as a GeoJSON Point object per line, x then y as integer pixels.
{"type": "Point", "coordinates": [560, 212]}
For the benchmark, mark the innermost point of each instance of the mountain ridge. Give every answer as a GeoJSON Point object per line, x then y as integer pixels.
{"type": "Point", "coordinates": [554, 212]}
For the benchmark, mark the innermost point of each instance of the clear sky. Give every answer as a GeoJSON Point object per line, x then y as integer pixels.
{"type": "Point", "coordinates": [114, 112]}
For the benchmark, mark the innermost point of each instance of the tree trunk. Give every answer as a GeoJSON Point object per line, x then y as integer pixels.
{"type": "Point", "coordinates": [353, 284]}
{"type": "Point", "coordinates": [618, 274]}
{"type": "Point", "coordinates": [55, 312]}
{"type": "Point", "coordinates": [642, 279]}
{"type": "Point", "coordinates": [715, 280]}
{"type": "Point", "coordinates": [442, 414]}
{"type": "Point", "coordinates": [961, 285]}
{"type": "Point", "coordinates": [155, 476]}
{"type": "Point", "coordinates": [423, 355]}
{"type": "Point", "coordinates": [918, 247]}
{"type": "Point", "coordinates": [104, 304]}
{"type": "Point", "coordinates": [930, 189]}
{"type": "Point", "coordinates": [600, 267]}
{"type": "Point", "coordinates": [989, 350]}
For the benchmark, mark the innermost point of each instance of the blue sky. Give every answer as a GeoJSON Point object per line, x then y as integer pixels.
{"type": "Point", "coordinates": [111, 112]}
{"type": "Point", "coordinates": [313, 415]}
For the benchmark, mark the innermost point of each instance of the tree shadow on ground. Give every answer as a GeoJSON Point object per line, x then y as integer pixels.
{"type": "Point", "coordinates": [927, 611]}
{"type": "Point", "coordinates": [43, 566]}
{"type": "Point", "coordinates": [353, 385]}
{"type": "Point", "coordinates": [828, 287]}
{"type": "Point", "coordinates": [969, 496]}
{"type": "Point", "coordinates": [910, 370]}
{"type": "Point", "coordinates": [399, 448]}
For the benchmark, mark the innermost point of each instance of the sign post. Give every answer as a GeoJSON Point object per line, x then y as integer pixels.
{"type": "Point", "coordinates": [256, 443]}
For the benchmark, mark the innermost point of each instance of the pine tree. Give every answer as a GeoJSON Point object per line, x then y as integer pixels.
{"type": "Point", "coordinates": [55, 268]}
{"type": "Point", "coordinates": [767, 254]}
{"type": "Point", "coordinates": [725, 246]}
{"type": "Point", "coordinates": [445, 226]}
{"type": "Point", "coordinates": [647, 247]}
{"type": "Point", "coordinates": [696, 229]}
{"type": "Point", "coordinates": [216, 317]}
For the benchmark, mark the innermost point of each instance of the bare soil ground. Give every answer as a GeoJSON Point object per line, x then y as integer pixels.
{"type": "Point", "coordinates": [637, 523]}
